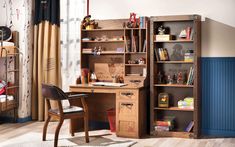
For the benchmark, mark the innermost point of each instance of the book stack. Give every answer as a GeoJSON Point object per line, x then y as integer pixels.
{"type": "Point", "coordinates": [167, 124]}
{"type": "Point", "coordinates": [190, 76]}
{"type": "Point", "coordinates": [143, 22]}
{"type": "Point", "coordinates": [162, 54]}
{"type": "Point", "coordinates": [188, 56]}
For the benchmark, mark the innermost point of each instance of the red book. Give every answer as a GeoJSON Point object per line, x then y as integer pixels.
{"type": "Point", "coordinates": [188, 31]}
{"type": "Point", "coordinates": [163, 123]}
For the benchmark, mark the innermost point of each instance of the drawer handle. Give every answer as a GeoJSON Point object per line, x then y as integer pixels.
{"type": "Point", "coordinates": [135, 81]}
{"type": "Point", "coordinates": [128, 105]}
{"type": "Point", "coordinates": [129, 94]}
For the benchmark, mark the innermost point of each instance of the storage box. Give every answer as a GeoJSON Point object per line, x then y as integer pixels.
{"type": "Point", "coordinates": [163, 37]}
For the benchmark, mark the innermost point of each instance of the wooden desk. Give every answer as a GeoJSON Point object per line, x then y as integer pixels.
{"type": "Point", "coordinates": [129, 102]}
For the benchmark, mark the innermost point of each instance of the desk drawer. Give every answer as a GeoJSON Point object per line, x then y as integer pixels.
{"type": "Point", "coordinates": [126, 110]}
{"type": "Point", "coordinates": [127, 94]}
{"type": "Point", "coordinates": [127, 129]}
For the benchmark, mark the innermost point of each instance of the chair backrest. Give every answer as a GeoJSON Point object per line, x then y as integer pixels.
{"type": "Point", "coordinates": [52, 92]}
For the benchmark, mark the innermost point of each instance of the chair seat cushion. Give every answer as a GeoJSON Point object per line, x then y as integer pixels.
{"type": "Point", "coordinates": [68, 109]}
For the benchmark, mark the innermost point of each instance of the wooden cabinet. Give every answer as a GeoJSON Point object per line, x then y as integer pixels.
{"type": "Point", "coordinates": [131, 113]}
{"type": "Point", "coordinates": [170, 73]}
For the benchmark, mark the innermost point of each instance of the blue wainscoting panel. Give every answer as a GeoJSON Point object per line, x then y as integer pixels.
{"type": "Point", "coordinates": [218, 96]}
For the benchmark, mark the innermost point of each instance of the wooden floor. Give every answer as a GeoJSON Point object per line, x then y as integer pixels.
{"type": "Point", "coordinates": [11, 131]}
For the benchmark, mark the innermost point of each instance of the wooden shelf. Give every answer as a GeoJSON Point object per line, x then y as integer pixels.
{"type": "Point", "coordinates": [135, 52]}
{"type": "Point", "coordinates": [173, 85]}
{"type": "Point", "coordinates": [135, 64]}
{"type": "Point", "coordinates": [108, 41]}
{"type": "Point", "coordinates": [107, 53]}
{"type": "Point", "coordinates": [174, 109]}
{"type": "Point", "coordinates": [176, 41]}
{"type": "Point", "coordinates": [93, 30]}
{"type": "Point", "coordinates": [174, 62]}
{"type": "Point", "coordinates": [172, 134]}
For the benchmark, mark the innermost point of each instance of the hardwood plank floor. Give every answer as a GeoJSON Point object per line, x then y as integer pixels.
{"type": "Point", "coordinates": [10, 131]}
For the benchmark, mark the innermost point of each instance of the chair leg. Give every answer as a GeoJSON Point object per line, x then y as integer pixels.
{"type": "Point", "coordinates": [45, 128]}
{"type": "Point", "coordinates": [86, 128]}
{"type": "Point", "coordinates": [71, 128]}
{"type": "Point", "coordinates": [57, 132]}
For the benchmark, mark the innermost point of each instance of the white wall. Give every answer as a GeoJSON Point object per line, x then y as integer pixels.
{"type": "Point", "coordinates": [220, 14]}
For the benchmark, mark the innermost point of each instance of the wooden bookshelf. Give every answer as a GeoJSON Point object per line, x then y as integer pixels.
{"type": "Point", "coordinates": [175, 67]}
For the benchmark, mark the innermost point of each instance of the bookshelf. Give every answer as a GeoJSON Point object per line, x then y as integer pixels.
{"type": "Point", "coordinates": [171, 72]}
{"type": "Point", "coordinates": [126, 48]}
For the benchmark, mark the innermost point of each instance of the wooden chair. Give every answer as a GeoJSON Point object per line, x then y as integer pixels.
{"type": "Point", "coordinates": [51, 92]}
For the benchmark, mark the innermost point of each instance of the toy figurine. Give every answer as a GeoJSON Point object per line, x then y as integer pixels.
{"type": "Point", "coordinates": [180, 78]}
{"type": "Point", "coordinates": [132, 23]}
{"type": "Point", "coordinates": [161, 30]}
{"type": "Point", "coordinates": [159, 78]}
{"type": "Point", "coordinates": [169, 79]}
{"type": "Point", "coordinates": [88, 24]}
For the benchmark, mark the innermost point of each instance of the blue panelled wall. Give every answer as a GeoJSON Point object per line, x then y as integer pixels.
{"type": "Point", "coordinates": [218, 96]}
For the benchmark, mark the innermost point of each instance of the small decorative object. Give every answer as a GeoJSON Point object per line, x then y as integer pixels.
{"type": "Point", "coordinates": [132, 23]}
{"type": "Point", "coordinates": [93, 77]}
{"type": "Point", "coordinates": [84, 75]}
{"type": "Point", "coordinates": [169, 79]}
{"type": "Point", "coordinates": [188, 55]}
{"type": "Point", "coordinates": [89, 24]}
{"type": "Point", "coordinates": [163, 100]}
{"type": "Point", "coordinates": [78, 81]}
{"type": "Point", "coordinates": [180, 78]}
{"type": "Point", "coordinates": [115, 78]}
{"type": "Point", "coordinates": [188, 103]}
{"type": "Point", "coordinates": [183, 34]}
{"type": "Point", "coordinates": [159, 78]}
{"type": "Point", "coordinates": [161, 30]}
{"type": "Point", "coordinates": [99, 50]}
{"type": "Point", "coordinates": [162, 36]}
{"type": "Point", "coordinates": [141, 61]}
{"type": "Point", "coordinates": [120, 50]}
{"type": "Point", "coordinates": [174, 78]}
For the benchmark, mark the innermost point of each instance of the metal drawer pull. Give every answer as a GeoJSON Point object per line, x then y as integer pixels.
{"type": "Point", "coordinates": [129, 94]}
{"type": "Point", "coordinates": [135, 81]}
{"type": "Point", "coordinates": [128, 105]}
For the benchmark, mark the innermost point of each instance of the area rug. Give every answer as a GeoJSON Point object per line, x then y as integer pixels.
{"type": "Point", "coordinates": [34, 140]}
{"type": "Point", "coordinates": [102, 141]}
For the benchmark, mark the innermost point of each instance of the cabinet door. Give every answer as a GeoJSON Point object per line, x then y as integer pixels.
{"type": "Point", "coordinates": [127, 128]}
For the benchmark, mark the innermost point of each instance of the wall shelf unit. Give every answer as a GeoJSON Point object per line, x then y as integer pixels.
{"type": "Point", "coordinates": [171, 73]}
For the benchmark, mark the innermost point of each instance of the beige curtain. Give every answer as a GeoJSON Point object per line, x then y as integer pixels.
{"type": "Point", "coordinates": [46, 66]}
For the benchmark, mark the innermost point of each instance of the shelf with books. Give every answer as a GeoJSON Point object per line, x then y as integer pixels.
{"type": "Point", "coordinates": [175, 52]}
{"type": "Point", "coordinates": [174, 109]}
{"type": "Point", "coordinates": [173, 134]}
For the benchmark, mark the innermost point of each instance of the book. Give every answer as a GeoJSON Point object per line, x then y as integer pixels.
{"type": "Point", "coordinates": [191, 34]}
{"type": "Point", "coordinates": [144, 46]}
{"type": "Point", "coordinates": [163, 123]}
{"type": "Point", "coordinates": [188, 31]}
{"type": "Point", "coordinates": [156, 54]}
{"type": "Point", "coordinates": [189, 128]}
{"type": "Point", "coordinates": [127, 43]}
